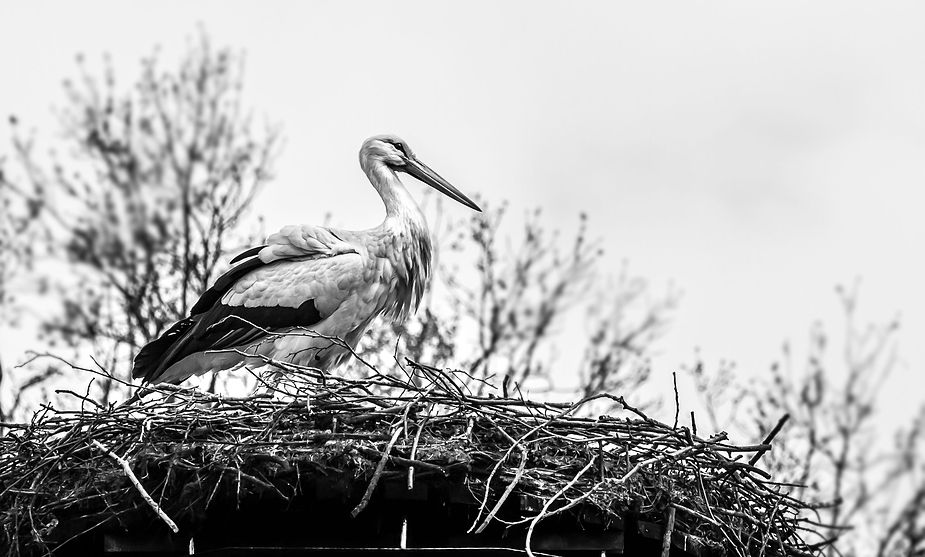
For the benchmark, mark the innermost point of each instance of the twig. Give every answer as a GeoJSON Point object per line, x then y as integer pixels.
{"type": "Point", "coordinates": [414, 446]}
{"type": "Point", "coordinates": [677, 400]}
{"type": "Point", "coordinates": [507, 491]}
{"type": "Point", "coordinates": [549, 502]}
{"type": "Point", "coordinates": [144, 494]}
{"type": "Point", "coordinates": [770, 437]}
{"type": "Point", "coordinates": [669, 529]}
{"type": "Point", "coordinates": [376, 475]}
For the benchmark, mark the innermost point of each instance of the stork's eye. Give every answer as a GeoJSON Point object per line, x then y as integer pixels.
{"type": "Point", "coordinates": [400, 147]}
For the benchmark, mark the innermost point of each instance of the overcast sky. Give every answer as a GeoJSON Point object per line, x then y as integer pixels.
{"type": "Point", "coordinates": [752, 155]}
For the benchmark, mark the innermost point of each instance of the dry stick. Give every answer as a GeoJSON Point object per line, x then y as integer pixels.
{"type": "Point", "coordinates": [602, 457]}
{"type": "Point", "coordinates": [763, 449]}
{"type": "Point", "coordinates": [677, 400]}
{"type": "Point", "coordinates": [510, 487]}
{"type": "Point", "coordinates": [507, 492]}
{"type": "Point", "coordinates": [769, 438]}
{"type": "Point", "coordinates": [144, 494]}
{"type": "Point", "coordinates": [375, 480]}
{"type": "Point", "coordinates": [669, 529]}
{"type": "Point", "coordinates": [767, 533]}
{"type": "Point", "coordinates": [407, 461]}
{"type": "Point", "coordinates": [549, 502]}
{"type": "Point", "coordinates": [215, 489]}
{"type": "Point", "coordinates": [414, 445]}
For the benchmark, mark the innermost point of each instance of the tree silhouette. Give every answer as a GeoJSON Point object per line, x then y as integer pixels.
{"type": "Point", "coordinates": [149, 197]}
{"type": "Point", "coordinates": [833, 448]}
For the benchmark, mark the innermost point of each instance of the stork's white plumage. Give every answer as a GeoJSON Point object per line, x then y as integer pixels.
{"type": "Point", "coordinates": [333, 282]}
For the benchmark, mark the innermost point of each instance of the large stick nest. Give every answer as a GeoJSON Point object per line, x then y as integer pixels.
{"type": "Point", "coordinates": [178, 451]}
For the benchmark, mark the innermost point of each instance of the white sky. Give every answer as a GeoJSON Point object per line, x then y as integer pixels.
{"type": "Point", "coordinates": [754, 156]}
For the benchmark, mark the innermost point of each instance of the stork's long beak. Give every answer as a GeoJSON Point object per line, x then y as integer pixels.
{"type": "Point", "coordinates": [425, 174]}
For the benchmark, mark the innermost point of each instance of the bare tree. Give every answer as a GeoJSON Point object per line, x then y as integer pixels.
{"type": "Point", "coordinates": [625, 327]}
{"type": "Point", "coordinates": [22, 235]}
{"type": "Point", "coordinates": [720, 394]}
{"type": "Point", "coordinates": [156, 178]}
{"type": "Point", "coordinates": [833, 446]}
{"type": "Point", "coordinates": [520, 292]}
{"type": "Point", "coordinates": [829, 444]}
{"type": "Point", "coordinates": [901, 529]}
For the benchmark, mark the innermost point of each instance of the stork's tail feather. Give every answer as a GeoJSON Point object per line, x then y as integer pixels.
{"type": "Point", "coordinates": [152, 355]}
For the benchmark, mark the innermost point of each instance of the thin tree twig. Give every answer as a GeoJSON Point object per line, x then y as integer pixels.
{"type": "Point", "coordinates": [127, 468]}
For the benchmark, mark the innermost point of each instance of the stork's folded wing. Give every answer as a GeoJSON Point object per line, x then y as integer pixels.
{"type": "Point", "coordinates": [297, 279]}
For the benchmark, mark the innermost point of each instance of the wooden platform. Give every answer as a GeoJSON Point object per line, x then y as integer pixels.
{"type": "Point", "coordinates": [431, 519]}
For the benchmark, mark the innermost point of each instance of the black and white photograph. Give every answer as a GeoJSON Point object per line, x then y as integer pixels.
{"type": "Point", "coordinates": [434, 279]}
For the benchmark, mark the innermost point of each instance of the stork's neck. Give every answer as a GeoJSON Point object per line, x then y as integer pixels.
{"type": "Point", "coordinates": [398, 202]}
{"type": "Point", "coordinates": [408, 248]}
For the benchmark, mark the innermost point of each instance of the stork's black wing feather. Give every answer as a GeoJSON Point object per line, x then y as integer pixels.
{"type": "Point", "coordinates": [149, 357]}
{"type": "Point", "coordinates": [211, 296]}
{"type": "Point", "coordinates": [220, 328]}
{"type": "Point", "coordinates": [249, 253]}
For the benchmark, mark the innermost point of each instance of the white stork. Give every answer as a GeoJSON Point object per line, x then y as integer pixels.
{"type": "Point", "coordinates": [334, 282]}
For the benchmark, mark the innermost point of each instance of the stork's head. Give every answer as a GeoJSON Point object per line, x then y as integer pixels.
{"type": "Point", "coordinates": [395, 153]}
